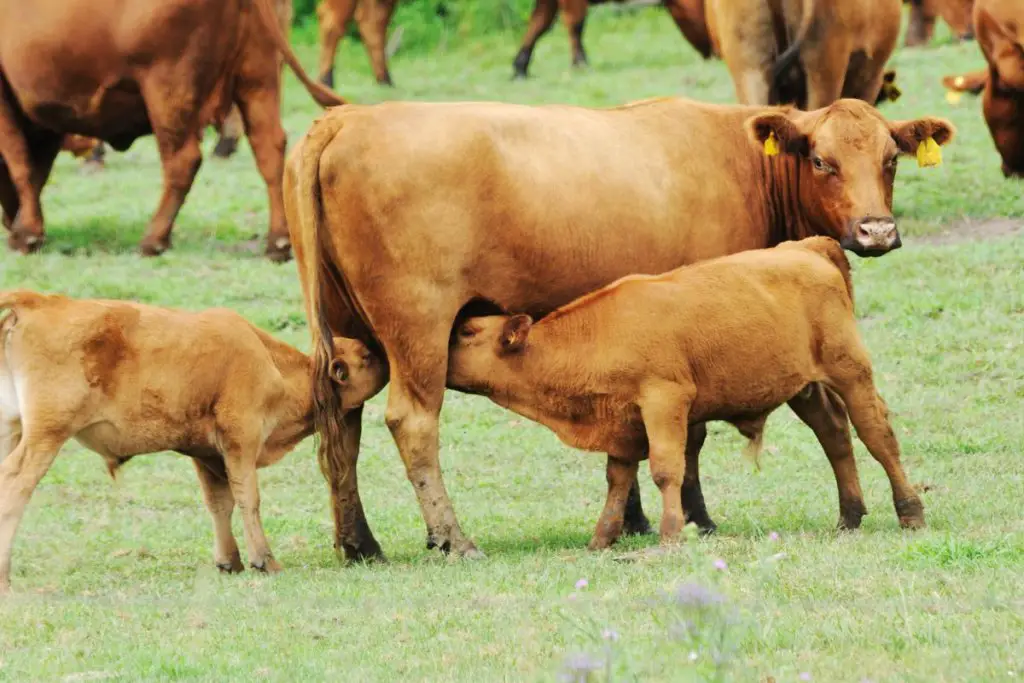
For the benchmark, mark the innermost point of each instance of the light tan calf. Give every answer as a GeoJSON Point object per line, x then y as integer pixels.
{"type": "Point", "coordinates": [125, 379]}
{"type": "Point", "coordinates": [627, 369]}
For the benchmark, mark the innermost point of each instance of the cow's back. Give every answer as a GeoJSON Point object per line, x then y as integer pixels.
{"type": "Point", "coordinates": [537, 205]}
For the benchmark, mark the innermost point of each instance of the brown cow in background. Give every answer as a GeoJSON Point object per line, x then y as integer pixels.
{"type": "Point", "coordinates": [838, 48]}
{"type": "Point", "coordinates": [627, 369]}
{"type": "Point", "coordinates": [923, 13]}
{"type": "Point", "coordinates": [405, 216]}
{"type": "Point", "coordinates": [1000, 32]}
{"type": "Point", "coordinates": [135, 68]}
{"type": "Point", "coordinates": [688, 15]}
{"type": "Point", "coordinates": [372, 17]}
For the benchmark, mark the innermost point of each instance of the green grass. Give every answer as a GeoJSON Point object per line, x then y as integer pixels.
{"type": "Point", "coordinates": [114, 581]}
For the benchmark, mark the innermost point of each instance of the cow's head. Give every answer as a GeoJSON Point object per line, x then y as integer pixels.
{"type": "Point", "coordinates": [836, 167]}
{"type": "Point", "coordinates": [482, 349]}
{"type": "Point", "coordinates": [357, 371]}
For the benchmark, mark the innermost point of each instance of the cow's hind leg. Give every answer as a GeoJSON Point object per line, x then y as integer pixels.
{"type": "Point", "coordinates": [574, 16]}
{"type": "Point", "coordinates": [823, 411]}
{"type": "Point", "coordinates": [334, 16]}
{"type": "Point", "coordinates": [636, 522]}
{"type": "Point", "coordinates": [418, 362]}
{"type": "Point", "coordinates": [543, 17]}
{"type": "Point", "coordinates": [261, 111]}
{"type": "Point", "coordinates": [665, 410]}
{"type": "Point", "coordinates": [692, 495]}
{"type": "Point", "coordinates": [621, 477]}
{"type": "Point", "coordinates": [373, 19]}
{"type": "Point", "coordinates": [870, 417]}
{"type": "Point", "coordinates": [20, 473]}
{"type": "Point", "coordinates": [213, 480]}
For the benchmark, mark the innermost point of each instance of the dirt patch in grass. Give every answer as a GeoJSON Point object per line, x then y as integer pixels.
{"type": "Point", "coordinates": [974, 230]}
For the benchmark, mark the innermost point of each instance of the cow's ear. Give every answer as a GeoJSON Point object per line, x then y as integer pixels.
{"type": "Point", "coordinates": [514, 333]}
{"type": "Point", "coordinates": [775, 132]}
{"type": "Point", "coordinates": [930, 131]}
{"type": "Point", "coordinates": [339, 371]}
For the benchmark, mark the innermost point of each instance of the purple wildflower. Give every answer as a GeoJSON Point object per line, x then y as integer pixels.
{"type": "Point", "coordinates": [581, 584]}
{"type": "Point", "coordinates": [720, 565]}
{"type": "Point", "coordinates": [773, 536]}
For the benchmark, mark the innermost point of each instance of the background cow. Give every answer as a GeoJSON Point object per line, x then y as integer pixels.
{"type": "Point", "coordinates": [923, 13]}
{"type": "Point", "coordinates": [838, 48]}
{"type": "Point", "coordinates": [135, 68]}
{"type": "Point", "coordinates": [406, 216]}
{"type": "Point", "coordinates": [372, 17]}
{"type": "Point", "coordinates": [125, 379]}
{"type": "Point", "coordinates": [688, 15]}
{"type": "Point", "coordinates": [628, 368]}
{"type": "Point", "coordinates": [1000, 31]}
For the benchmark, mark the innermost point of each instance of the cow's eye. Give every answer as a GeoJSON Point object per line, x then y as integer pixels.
{"type": "Point", "coordinates": [467, 332]}
{"type": "Point", "coordinates": [820, 165]}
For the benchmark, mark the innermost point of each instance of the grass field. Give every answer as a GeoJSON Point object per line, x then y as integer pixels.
{"type": "Point", "coordinates": [114, 581]}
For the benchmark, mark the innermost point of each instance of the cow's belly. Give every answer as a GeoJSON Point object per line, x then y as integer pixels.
{"type": "Point", "coordinates": [114, 111]}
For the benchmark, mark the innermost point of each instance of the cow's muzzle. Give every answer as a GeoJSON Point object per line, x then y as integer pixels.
{"type": "Point", "coordinates": [872, 236]}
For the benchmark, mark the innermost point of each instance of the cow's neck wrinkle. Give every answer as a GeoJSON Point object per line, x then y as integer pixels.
{"type": "Point", "coordinates": [784, 213]}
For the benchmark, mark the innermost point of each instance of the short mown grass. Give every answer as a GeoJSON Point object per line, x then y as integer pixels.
{"type": "Point", "coordinates": [114, 581]}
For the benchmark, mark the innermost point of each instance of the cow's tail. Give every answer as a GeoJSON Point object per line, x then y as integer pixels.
{"type": "Point", "coordinates": [792, 52]}
{"type": "Point", "coordinates": [327, 404]}
{"type": "Point", "coordinates": [830, 249]}
{"type": "Point", "coordinates": [268, 17]}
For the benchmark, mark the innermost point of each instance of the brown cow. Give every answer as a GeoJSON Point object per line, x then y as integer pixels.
{"type": "Point", "coordinates": [688, 15]}
{"type": "Point", "coordinates": [1000, 32]}
{"type": "Point", "coordinates": [372, 18]}
{"type": "Point", "coordinates": [626, 369]}
{"type": "Point", "coordinates": [125, 379]}
{"type": "Point", "coordinates": [923, 13]}
{"type": "Point", "coordinates": [136, 68]}
{"type": "Point", "coordinates": [838, 49]}
{"type": "Point", "coordinates": [405, 216]}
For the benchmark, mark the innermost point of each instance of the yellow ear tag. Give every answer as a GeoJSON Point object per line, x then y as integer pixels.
{"type": "Point", "coordinates": [771, 145]}
{"type": "Point", "coordinates": [959, 81]}
{"type": "Point", "coordinates": [929, 153]}
{"type": "Point", "coordinates": [953, 97]}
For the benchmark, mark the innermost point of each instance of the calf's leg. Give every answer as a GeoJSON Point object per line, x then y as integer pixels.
{"type": "Point", "coordinates": [240, 461]}
{"type": "Point", "coordinates": [621, 477]}
{"type": "Point", "coordinates": [665, 411]}
{"type": "Point", "coordinates": [20, 473]}
{"type": "Point", "coordinates": [213, 481]}
{"type": "Point", "coordinates": [822, 410]}
{"type": "Point", "coordinates": [541, 19]}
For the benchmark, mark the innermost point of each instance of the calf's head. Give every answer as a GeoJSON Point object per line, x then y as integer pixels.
{"type": "Point", "coordinates": [835, 167]}
{"type": "Point", "coordinates": [357, 371]}
{"type": "Point", "coordinates": [483, 350]}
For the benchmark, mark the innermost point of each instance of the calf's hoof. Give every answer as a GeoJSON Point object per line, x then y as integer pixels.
{"type": "Point", "coordinates": [154, 247]}
{"type": "Point", "coordinates": [225, 147]}
{"type": "Point", "coordinates": [279, 249]}
{"type": "Point", "coordinates": [267, 565]}
{"type": "Point", "coordinates": [232, 565]}
{"type": "Point", "coordinates": [911, 513]}
{"type": "Point", "coordinates": [25, 243]}
{"type": "Point", "coordinates": [365, 550]}
{"type": "Point", "coordinates": [636, 526]}
{"type": "Point", "coordinates": [463, 548]}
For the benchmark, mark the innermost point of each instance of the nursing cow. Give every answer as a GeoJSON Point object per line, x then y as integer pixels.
{"type": "Point", "coordinates": [805, 52]}
{"type": "Point", "coordinates": [120, 69]}
{"type": "Point", "coordinates": [688, 15]}
{"type": "Point", "coordinates": [405, 217]}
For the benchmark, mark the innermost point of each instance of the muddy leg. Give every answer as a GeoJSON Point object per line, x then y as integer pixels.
{"type": "Point", "coordinates": [230, 133]}
{"type": "Point", "coordinates": [665, 410]}
{"type": "Point", "coordinates": [692, 496]}
{"type": "Point", "coordinates": [823, 411]}
{"type": "Point", "coordinates": [414, 403]}
{"type": "Point", "coordinates": [870, 417]}
{"type": "Point", "coordinates": [373, 19]}
{"type": "Point", "coordinates": [621, 477]}
{"type": "Point", "coordinates": [261, 111]}
{"type": "Point", "coordinates": [543, 17]}
{"type": "Point", "coordinates": [334, 16]}
{"type": "Point", "coordinates": [213, 481]}
{"type": "Point", "coordinates": [636, 521]}
{"type": "Point", "coordinates": [574, 16]}
{"type": "Point", "coordinates": [20, 473]}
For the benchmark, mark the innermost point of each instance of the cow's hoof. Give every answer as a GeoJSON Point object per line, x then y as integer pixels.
{"type": "Point", "coordinates": [707, 527]}
{"type": "Point", "coordinates": [638, 526]}
{"type": "Point", "coordinates": [850, 516]}
{"type": "Point", "coordinates": [368, 552]}
{"type": "Point", "coordinates": [24, 243]}
{"type": "Point", "coordinates": [464, 548]}
{"type": "Point", "coordinates": [267, 565]}
{"type": "Point", "coordinates": [911, 513]}
{"type": "Point", "coordinates": [225, 147]}
{"type": "Point", "coordinates": [232, 566]}
{"type": "Point", "coordinates": [154, 247]}
{"type": "Point", "coordinates": [279, 250]}
{"type": "Point", "coordinates": [386, 81]}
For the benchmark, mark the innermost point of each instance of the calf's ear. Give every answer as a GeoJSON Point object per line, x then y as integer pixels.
{"type": "Point", "coordinates": [339, 371]}
{"type": "Point", "coordinates": [930, 131]}
{"type": "Point", "coordinates": [514, 333]}
{"type": "Point", "coordinates": [775, 132]}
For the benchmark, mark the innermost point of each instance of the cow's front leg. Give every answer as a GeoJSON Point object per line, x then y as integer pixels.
{"type": "Point", "coordinates": [240, 461]}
